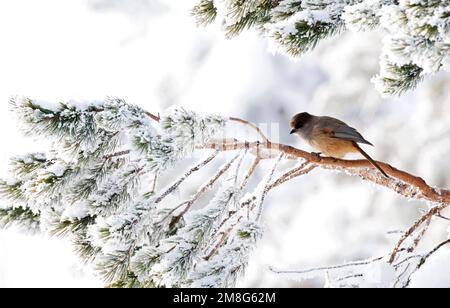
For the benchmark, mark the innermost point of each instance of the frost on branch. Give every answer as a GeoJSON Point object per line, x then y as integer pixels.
{"type": "Point", "coordinates": [416, 43]}
{"type": "Point", "coordinates": [95, 182]}
{"type": "Point", "coordinates": [21, 217]}
{"type": "Point", "coordinates": [186, 129]}
{"type": "Point", "coordinates": [364, 15]}
{"type": "Point", "coordinates": [230, 261]}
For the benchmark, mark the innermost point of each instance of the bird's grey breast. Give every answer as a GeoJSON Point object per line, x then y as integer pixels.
{"type": "Point", "coordinates": [306, 132]}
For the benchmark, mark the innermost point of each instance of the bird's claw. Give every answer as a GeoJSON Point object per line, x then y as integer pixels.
{"type": "Point", "coordinates": [317, 155]}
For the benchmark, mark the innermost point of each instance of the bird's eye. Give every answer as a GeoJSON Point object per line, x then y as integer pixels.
{"type": "Point", "coordinates": [299, 125]}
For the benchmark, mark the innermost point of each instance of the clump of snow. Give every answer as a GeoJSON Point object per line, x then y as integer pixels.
{"type": "Point", "coordinates": [58, 168]}
{"type": "Point", "coordinates": [75, 212]}
{"type": "Point", "coordinates": [362, 16]}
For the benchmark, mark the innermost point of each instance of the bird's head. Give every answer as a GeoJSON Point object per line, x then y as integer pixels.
{"type": "Point", "coordinates": [299, 121]}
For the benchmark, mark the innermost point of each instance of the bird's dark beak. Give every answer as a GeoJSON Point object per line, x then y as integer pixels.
{"type": "Point", "coordinates": [293, 131]}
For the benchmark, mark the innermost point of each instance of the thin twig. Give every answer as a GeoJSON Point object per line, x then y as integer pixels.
{"type": "Point", "coordinates": [238, 167]}
{"type": "Point", "coordinates": [442, 217]}
{"type": "Point", "coordinates": [220, 242]}
{"type": "Point", "coordinates": [425, 257]}
{"type": "Point", "coordinates": [169, 213]}
{"type": "Point", "coordinates": [155, 182]}
{"type": "Point", "coordinates": [157, 118]}
{"type": "Point", "coordinates": [431, 252]}
{"type": "Point", "coordinates": [282, 178]}
{"type": "Point", "coordinates": [112, 155]}
{"type": "Point", "coordinates": [291, 174]}
{"type": "Point", "coordinates": [232, 214]}
{"type": "Point", "coordinates": [350, 276]}
{"type": "Point", "coordinates": [420, 235]}
{"type": "Point", "coordinates": [325, 268]}
{"type": "Point", "coordinates": [401, 274]}
{"type": "Point", "coordinates": [248, 123]}
{"type": "Point", "coordinates": [406, 260]}
{"type": "Point", "coordinates": [174, 186]}
{"type": "Point", "coordinates": [414, 227]}
{"type": "Point", "coordinates": [267, 187]}
{"type": "Point", "coordinates": [244, 183]}
{"type": "Point", "coordinates": [250, 172]}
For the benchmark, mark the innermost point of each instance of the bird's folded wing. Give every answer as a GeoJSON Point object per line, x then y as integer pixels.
{"type": "Point", "coordinates": [345, 132]}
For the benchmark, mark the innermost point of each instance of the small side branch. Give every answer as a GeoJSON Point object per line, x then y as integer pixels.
{"type": "Point", "coordinates": [304, 168]}
{"type": "Point", "coordinates": [250, 172]}
{"type": "Point", "coordinates": [267, 187]}
{"type": "Point", "coordinates": [156, 118]}
{"type": "Point", "coordinates": [325, 268]}
{"type": "Point", "coordinates": [435, 210]}
{"type": "Point", "coordinates": [431, 252]}
{"type": "Point", "coordinates": [208, 185]}
{"type": "Point", "coordinates": [174, 186]}
{"type": "Point", "coordinates": [116, 154]}
{"type": "Point", "coordinates": [424, 258]}
{"type": "Point", "coordinates": [250, 124]}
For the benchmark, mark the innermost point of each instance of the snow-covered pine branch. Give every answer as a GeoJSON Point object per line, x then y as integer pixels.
{"type": "Point", "coordinates": [94, 183]}
{"type": "Point", "coordinates": [417, 33]}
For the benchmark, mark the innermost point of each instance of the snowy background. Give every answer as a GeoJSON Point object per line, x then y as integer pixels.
{"type": "Point", "coordinates": [150, 53]}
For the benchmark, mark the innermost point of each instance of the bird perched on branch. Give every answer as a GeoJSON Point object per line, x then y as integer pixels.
{"type": "Point", "coordinates": [330, 136]}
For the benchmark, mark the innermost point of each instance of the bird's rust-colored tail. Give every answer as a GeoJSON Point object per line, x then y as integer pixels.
{"type": "Point", "coordinates": [370, 159]}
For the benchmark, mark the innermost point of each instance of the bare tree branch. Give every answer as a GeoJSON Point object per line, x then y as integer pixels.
{"type": "Point", "coordinates": [401, 182]}
{"type": "Point", "coordinates": [442, 217]}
